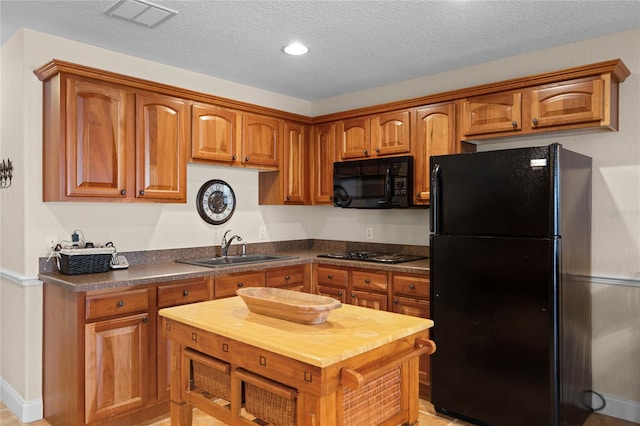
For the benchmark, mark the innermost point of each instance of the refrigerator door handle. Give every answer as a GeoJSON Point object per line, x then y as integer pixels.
{"type": "Point", "coordinates": [435, 174]}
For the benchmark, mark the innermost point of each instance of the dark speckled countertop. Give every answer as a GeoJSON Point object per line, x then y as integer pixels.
{"type": "Point", "coordinates": [159, 266]}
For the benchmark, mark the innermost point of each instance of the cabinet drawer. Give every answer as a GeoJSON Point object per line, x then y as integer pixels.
{"type": "Point", "coordinates": [126, 302]}
{"type": "Point", "coordinates": [227, 286]}
{"type": "Point", "coordinates": [285, 277]}
{"type": "Point", "coordinates": [332, 276]}
{"type": "Point", "coordinates": [411, 285]}
{"type": "Point", "coordinates": [182, 292]}
{"type": "Point", "coordinates": [369, 280]}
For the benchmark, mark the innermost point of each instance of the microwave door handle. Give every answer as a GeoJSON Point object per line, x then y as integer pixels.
{"type": "Point", "coordinates": [435, 177]}
{"type": "Point", "coordinates": [388, 187]}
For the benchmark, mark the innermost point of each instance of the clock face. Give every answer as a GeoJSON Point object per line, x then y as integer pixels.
{"type": "Point", "coordinates": [216, 201]}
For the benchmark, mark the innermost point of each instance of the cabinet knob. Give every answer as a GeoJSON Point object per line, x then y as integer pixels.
{"type": "Point", "coordinates": [411, 286]}
{"type": "Point", "coordinates": [396, 301]}
{"type": "Point", "coordinates": [365, 152]}
{"type": "Point", "coordinates": [123, 192]}
{"type": "Point", "coordinates": [353, 295]}
{"type": "Point", "coordinates": [185, 293]}
{"type": "Point", "coordinates": [417, 195]}
{"type": "Point", "coordinates": [240, 284]}
{"type": "Point", "coordinates": [234, 158]}
{"type": "Point", "coordinates": [246, 158]}
{"type": "Point", "coordinates": [287, 277]}
{"type": "Point", "coordinates": [330, 276]}
{"type": "Point", "coordinates": [145, 320]}
{"type": "Point", "coordinates": [514, 124]}
{"type": "Point", "coordinates": [142, 192]}
{"type": "Point", "coordinates": [288, 197]}
{"type": "Point", "coordinates": [120, 303]}
{"type": "Point", "coordinates": [377, 149]}
{"type": "Point", "coordinates": [367, 281]}
{"type": "Point", "coordinates": [535, 121]}
{"type": "Point", "coordinates": [339, 292]}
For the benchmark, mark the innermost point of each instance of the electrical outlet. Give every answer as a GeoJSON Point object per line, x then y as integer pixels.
{"type": "Point", "coordinates": [369, 233]}
{"type": "Point", "coordinates": [262, 232]}
{"type": "Point", "coordinates": [52, 242]}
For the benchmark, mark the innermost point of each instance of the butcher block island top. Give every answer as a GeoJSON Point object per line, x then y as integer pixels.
{"type": "Point", "coordinates": [348, 331]}
{"type": "Point", "coordinates": [359, 362]}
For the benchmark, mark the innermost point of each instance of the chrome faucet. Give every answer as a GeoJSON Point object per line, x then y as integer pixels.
{"type": "Point", "coordinates": [224, 244]}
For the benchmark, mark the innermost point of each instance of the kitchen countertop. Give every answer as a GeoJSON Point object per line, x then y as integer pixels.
{"type": "Point", "coordinates": [349, 331]}
{"type": "Point", "coordinates": [168, 271]}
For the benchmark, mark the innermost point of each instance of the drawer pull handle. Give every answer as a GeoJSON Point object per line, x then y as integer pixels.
{"type": "Point", "coordinates": [339, 292]}
{"type": "Point", "coordinates": [120, 303]}
{"type": "Point", "coordinates": [330, 276]}
{"type": "Point", "coordinates": [411, 286]}
{"type": "Point", "coordinates": [123, 192]}
{"type": "Point", "coordinates": [145, 320]}
{"type": "Point", "coordinates": [353, 295]}
{"type": "Point", "coordinates": [142, 192]}
{"type": "Point", "coordinates": [287, 277]}
{"type": "Point", "coordinates": [185, 293]}
{"type": "Point", "coordinates": [367, 281]}
{"type": "Point", "coordinates": [240, 284]}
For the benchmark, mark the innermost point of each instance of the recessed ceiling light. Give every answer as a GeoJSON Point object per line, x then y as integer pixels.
{"type": "Point", "coordinates": [296, 49]}
{"type": "Point", "coordinates": [141, 12]}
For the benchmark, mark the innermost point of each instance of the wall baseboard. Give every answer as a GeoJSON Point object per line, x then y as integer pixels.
{"type": "Point", "coordinates": [25, 411]}
{"type": "Point", "coordinates": [617, 407]}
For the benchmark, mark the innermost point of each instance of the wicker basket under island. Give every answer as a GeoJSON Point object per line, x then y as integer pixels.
{"type": "Point", "coordinates": [361, 365]}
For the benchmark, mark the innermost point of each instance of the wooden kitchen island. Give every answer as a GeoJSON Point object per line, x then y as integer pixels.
{"type": "Point", "coordinates": [360, 367]}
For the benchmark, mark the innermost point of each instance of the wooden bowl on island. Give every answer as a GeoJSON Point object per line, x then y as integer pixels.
{"type": "Point", "coordinates": [303, 308]}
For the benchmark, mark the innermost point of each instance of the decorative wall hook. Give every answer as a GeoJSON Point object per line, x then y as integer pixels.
{"type": "Point", "coordinates": [6, 173]}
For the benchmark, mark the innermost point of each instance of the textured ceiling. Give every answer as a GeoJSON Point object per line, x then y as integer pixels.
{"type": "Point", "coordinates": [354, 45]}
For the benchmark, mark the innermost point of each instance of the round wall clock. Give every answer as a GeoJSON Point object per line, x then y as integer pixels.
{"type": "Point", "coordinates": [216, 202]}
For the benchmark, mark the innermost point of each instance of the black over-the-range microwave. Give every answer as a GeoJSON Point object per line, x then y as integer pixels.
{"type": "Point", "coordinates": [379, 183]}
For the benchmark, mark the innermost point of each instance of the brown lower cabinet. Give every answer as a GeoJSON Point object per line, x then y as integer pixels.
{"type": "Point", "coordinates": [105, 361]}
{"type": "Point", "coordinates": [402, 293]}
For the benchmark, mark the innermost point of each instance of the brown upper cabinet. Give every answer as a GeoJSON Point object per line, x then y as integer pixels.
{"type": "Point", "coordinates": [291, 184]}
{"type": "Point", "coordinates": [261, 137]}
{"type": "Point", "coordinates": [375, 135]}
{"type": "Point", "coordinates": [579, 103]}
{"type": "Point", "coordinates": [435, 134]}
{"type": "Point", "coordinates": [354, 138]}
{"type": "Point", "coordinates": [323, 157]}
{"type": "Point", "coordinates": [391, 133]}
{"type": "Point", "coordinates": [162, 128]}
{"type": "Point", "coordinates": [108, 142]}
{"type": "Point", "coordinates": [215, 133]}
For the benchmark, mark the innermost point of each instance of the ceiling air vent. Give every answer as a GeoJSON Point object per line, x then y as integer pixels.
{"type": "Point", "coordinates": [141, 12]}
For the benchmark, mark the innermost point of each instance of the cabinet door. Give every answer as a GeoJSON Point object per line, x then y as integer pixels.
{"type": "Point", "coordinates": [418, 308]}
{"type": "Point", "coordinates": [368, 299]}
{"type": "Point", "coordinates": [162, 124]}
{"type": "Point", "coordinates": [260, 138]}
{"type": "Point", "coordinates": [435, 135]}
{"type": "Point", "coordinates": [568, 103]}
{"type": "Point", "coordinates": [324, 155]}
{"type": "Point", "coordinates": [99, 140]}
{"type": "Point", "coordinates": [493, 113]}
{"type": "Point", "coordinates": [338, 293]}
{"type": "Point", "coordinates": [295, 167]}
{"type": "Point", "coordinates": [215, 133]}
{"type": "Point", "coordinates": [178, 293]}
{"type": "Point", "coordinates": [117, 357]}
{"type": "Point", "coordinates": [354, 138]}
{"type": "Point", "coordinates": [390, 133]}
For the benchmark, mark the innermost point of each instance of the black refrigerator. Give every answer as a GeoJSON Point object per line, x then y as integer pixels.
{"type": "Point", "coordinates": [510, 250]}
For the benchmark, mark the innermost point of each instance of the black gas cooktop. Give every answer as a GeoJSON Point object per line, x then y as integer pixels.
{"type": "Point", "coordinates": [371, 256]}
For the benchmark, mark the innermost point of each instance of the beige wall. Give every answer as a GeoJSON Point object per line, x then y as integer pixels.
{"type": "Point", "coordinates": [27, 224]}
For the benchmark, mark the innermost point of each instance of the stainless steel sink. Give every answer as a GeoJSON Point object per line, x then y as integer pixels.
{"type": "Point", "coordinates": [215, 262]}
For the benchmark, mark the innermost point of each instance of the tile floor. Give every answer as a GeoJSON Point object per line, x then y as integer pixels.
{"type": "Point", "coordinates": [427, 417]}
